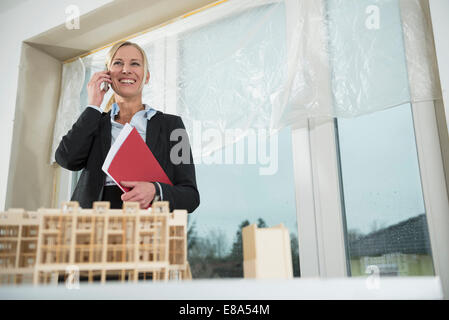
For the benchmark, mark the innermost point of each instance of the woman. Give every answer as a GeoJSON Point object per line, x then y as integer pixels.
{"type": "Point", "coordinates": [86, 145]}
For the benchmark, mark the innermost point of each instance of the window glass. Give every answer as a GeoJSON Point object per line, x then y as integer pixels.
{"type": "Point", "coordinates": [383, 201]}
{"type": "Point", "coordinates": [382, 197]}
{"type": "Point", "coordinates": [235, 195]}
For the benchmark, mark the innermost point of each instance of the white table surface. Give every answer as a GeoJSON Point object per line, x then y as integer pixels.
{"type": "Point", "coordinates": [403, 288]}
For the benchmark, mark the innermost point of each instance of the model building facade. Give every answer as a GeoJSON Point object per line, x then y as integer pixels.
{"type": "Point", "coordinates": [99, 244]}
{"type": "Point", "coordinates": [267, 252]}
{"type": "Point", "coordinates": [18, 245]}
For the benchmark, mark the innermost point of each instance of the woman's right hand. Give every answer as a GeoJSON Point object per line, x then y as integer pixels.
{"type": "Point", "coordinates": [94, 92]}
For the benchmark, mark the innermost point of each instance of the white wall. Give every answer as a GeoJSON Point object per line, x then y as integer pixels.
{"type": "Point", "coordinates": [17, 24]}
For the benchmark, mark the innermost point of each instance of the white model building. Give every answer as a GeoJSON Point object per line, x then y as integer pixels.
{"type": "Point", "coordinates": [267, 252]}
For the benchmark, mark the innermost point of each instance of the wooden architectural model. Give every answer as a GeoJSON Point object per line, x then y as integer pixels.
{"type": "Point", "coordinates": [267, 252]}
{"type": "Point", "coordinates": [18, 245]}
{"type": "Point", "coordinates": [99, 244]}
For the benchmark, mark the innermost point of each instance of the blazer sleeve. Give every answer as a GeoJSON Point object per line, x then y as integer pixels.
{"type": "Point", "coordinates": [73, 150]}
{"type": "Point", "coordinates": [184, 192]}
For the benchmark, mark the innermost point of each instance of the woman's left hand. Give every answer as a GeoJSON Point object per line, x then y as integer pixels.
{"type": "Point", "coordinates": [142, 192]}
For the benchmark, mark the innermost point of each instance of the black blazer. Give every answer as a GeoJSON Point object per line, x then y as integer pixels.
{"type": "Point", "coordinates": [86, 145]}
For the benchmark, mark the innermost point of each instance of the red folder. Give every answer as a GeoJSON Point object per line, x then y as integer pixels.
{"type": "Point", "coordinates": [130, 159]}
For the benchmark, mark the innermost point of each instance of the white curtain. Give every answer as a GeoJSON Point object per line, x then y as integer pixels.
{"type": "Point", "coordinates": [247, 64]}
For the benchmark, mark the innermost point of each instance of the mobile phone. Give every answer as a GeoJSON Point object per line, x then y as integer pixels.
{"type": "Point", "coordinates": [105, 84]}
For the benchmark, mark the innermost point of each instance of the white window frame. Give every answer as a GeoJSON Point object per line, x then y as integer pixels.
{"type": "Point", "coordinates": [434, 186]}
{"type": "Point", "coordinates": [319, 213]}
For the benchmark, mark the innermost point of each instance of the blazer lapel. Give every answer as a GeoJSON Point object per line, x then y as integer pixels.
{"type": "Point", "coordinates": [105, 134]}
{"type": "Point", "coordinates": [153, 131]}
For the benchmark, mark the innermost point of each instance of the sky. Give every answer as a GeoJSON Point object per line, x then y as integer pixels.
{"type": "Point", "coordinates": [232, 193]}
{"type": "Point", "coordinates": [380, 171]}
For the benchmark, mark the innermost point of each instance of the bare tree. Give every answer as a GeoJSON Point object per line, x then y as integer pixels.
{"type": "Point", "coordinates": [218, 242]}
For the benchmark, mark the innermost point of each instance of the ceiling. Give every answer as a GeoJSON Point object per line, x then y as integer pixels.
{"type": "Point", "coordinates": [111, 22]}
{"type": "Point", "coordinates": [6, 5]}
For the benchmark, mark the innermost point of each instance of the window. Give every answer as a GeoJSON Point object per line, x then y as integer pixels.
{"type": "Point", "coordinates": [344, 188]}
{"type": "Point", "coordinates": [382, 199]}
{"type": "Point", "coordinates": [233, 196]}
{"type": "Point", "coordinates": [356, 184]}
{"type": "Point", "coordinates": [386, 223]}
{"type": "Point", "coordinates": [251, 181]}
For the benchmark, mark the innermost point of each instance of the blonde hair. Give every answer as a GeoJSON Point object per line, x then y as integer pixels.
{"type": "Point", "coordinates": [111, 55]}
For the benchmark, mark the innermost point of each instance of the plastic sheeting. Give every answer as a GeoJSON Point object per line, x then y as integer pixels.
{"type": "Point", "coordinates": [73, 75]}
{"type": "Point", "coordinates": [248, 64]}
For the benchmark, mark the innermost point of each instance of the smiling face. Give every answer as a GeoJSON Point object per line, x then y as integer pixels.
{"type": "Point", "coordinates": [127, 72]}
